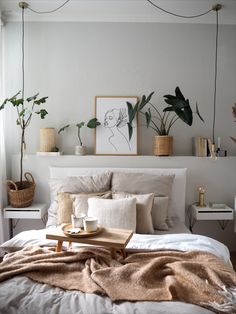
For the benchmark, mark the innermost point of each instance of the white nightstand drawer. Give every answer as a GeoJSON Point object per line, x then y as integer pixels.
{"type": "Point", "coordinates": [35, 211]}
{"type": "Point", "coordinates": [208, 213]}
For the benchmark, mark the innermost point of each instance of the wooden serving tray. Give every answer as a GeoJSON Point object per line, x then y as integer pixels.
{"type": "Point", "coordinates": [82, 233]}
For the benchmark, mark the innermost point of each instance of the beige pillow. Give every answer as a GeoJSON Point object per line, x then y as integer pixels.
{"type": "Point", "coordinates": [143, 210]}
{"type": "Point", "coordinates": [142, 183]}
{"type": "Point", "coordinates": [81, 184]}
{"type": "Point", "coordinates": [74, 203]}
{"type": "Point", "coordinates": [160, 213]}
{"type": "Point", "coordinates": [119, 214]}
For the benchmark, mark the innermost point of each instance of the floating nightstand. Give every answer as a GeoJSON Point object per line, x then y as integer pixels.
{"type": "Point", "coordinates": [35, 211]}
{"type": "Point", "coordinates": [222, 213]}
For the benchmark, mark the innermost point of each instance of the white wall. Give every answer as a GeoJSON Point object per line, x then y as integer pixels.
{"type": "Point", "coordinates": [73, 62]}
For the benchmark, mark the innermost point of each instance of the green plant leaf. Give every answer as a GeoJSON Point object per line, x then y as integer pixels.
{"type": "Point", "coordinates": [41, 100]}
{"type": "Point", "coordinates": [130, 130]}
{"type": "Point", "coordinates": [177, 103]}
{"type": "Point", "coordinates": [63, 128]}
{"type": "Point", "coordinates": [93, 123]}
{"type": "Point", "coordinates": [42, 113]}
{"type": "Point", "coordinates": [148, 117]}
{"type": "Point", "coordinates": [131, 111]}
{"type": "Point", "coordinates": [22, 113]}
{"type": "Point", "coordinates": [16, 102]}
{"type": "Point", "coordinates": [178, 93]}
{"type": "Point", "coordinates": [198, 113]}
{"type": "Point", "coordinates": [80, 125]}
{"type": "Point", "coordinates": [32, 97]}
{"type": "Point", "coordinates": [145, 100]}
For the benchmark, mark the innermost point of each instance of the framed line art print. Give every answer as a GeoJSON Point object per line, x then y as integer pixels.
{"type": "Point", "coordinates": [112, 137]}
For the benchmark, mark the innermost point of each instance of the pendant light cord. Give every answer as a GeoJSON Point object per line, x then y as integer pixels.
{"type": "Point", "coordinates": [179, 15]}
{"type": "Point", "coordinates": [23, 52]}
{"type": "Point", "coordinates": [215, 77]}
{"type": "Point", "coordinates": [46, 12]}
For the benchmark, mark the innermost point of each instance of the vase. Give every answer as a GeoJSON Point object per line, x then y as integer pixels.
{"type": "Point", "coordinates": [80, 150]}
{"type": "Point", "coordinates": [163, 145]}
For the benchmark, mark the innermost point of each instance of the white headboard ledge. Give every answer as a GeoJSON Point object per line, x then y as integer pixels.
{"type": "Point", "coordinates": [177, 204]}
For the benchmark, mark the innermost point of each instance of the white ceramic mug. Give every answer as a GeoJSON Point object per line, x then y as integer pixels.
{"type": "Point", "coordinates": [90, 224]}
{"type": "Point", "coordinates": [77, 221]}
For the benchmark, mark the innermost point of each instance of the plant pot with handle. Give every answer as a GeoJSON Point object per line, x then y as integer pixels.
{"type": "Point", "coordinates": [163, 145]}
{"type": "Point", "coordinates": [21, 193]}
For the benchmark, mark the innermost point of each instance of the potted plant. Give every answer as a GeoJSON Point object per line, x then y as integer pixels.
{"type": "Point", "coordinates": [92, 124]}
{"type": "Point", "coordinates": [21, 193]}
{"type": "Point", "coordinates": [162, 121]}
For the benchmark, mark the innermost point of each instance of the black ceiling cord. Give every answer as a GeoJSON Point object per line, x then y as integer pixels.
{"type": "Point", "coordinates": [178, 15]}
{"type": "Point", "coordinates": [46, 12]}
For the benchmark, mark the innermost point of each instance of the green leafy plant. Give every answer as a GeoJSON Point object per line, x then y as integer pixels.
{"type": "Point", "coordinates": [234, 115]}
{"type": "Point", "coordinates": [91, 124]}
{"type": "Point", "coordinates": [162, 121]}
{"type": "Point", "coordinates": [25, 109]}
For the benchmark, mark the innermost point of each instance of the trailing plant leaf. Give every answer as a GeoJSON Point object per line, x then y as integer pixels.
{"type": "Point", "coordinates": [63, 128]}
{"type": "Point", "coordinates": [80, 125]}
{"type": "Point", "coordinates": [40, 101]}
{"type": "Point", "coordinates": [93, 123]}
{"type": "Point", "coordinates": [42, 113]}
{"type": "Point", "coordinates": [32, 97]}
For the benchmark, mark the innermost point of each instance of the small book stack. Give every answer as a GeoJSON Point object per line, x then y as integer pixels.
{"type": "Point", "coordinates": [200, 146]}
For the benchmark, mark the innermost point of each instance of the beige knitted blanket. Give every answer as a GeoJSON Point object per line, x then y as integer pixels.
{"type": "Point", "coordinates": [192, 277]}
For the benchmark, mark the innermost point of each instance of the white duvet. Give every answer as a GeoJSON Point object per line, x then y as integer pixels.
{"type": "Point", "coordinates": [30, 297]}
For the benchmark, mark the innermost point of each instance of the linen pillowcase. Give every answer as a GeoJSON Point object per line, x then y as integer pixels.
{"type": "Point", "coordinates": [80, 184]}
{"type": "Point", "coordinates": [160, 213]}
{"type": "Point", "coordinates": [144, 203]}
{"type": "Point", "coordinates": [74, 203]}
{"type": "Point", "coordinates": [119, 213]}
{"type": "Point", "coordinates": [143, 183]}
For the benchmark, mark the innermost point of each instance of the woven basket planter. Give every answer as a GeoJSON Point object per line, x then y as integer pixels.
{"type": "Point", "coordinates": [21, 195]}
{"type": "Point", "coordinates": [163, 145]}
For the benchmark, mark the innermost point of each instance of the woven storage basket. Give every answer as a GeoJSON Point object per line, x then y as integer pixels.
{"type": "Point", "coordinates": [21, 196]}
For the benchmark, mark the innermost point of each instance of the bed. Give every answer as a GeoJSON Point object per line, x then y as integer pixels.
{"type": "Point", "coordinates": [35, 294]}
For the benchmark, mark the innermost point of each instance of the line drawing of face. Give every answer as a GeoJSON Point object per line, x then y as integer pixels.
{"type": "Point", "coordinates": [115, 118]}
{"type": "Point", "coordinates": [110, 120]}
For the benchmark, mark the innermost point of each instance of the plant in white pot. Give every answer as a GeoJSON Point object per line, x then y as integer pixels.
{"type": "Point", "coordinates": [162, 121]}
{"type": "Point", "coordinates": [91, 124]}
{"type": "Point", "coordinates": [20, 193]}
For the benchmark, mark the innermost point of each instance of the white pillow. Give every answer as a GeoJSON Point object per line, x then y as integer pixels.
{"type": "Point", "coordinates": [80, 184]}
{"type": "Point", "coordinates": [144, 203]}
{"type": "Point", "coordinates": [119, 214]}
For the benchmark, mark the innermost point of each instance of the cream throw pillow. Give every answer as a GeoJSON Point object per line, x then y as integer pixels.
{"type": "Point", "coordinates": [142, 183]}
{"type": "Point", "coordinates": [160, 213]}
{"type": "Point", "coordinates": [143, 210]}
{"type": "Point", "coordinates": [119, 214]}
{"type": "Point", "coordinates": [80, 184]}
{"type": "Point", "coordinates": [74, 203]}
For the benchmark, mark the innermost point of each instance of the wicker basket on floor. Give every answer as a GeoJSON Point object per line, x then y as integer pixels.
{"type": "Point", "coordinates": [21, 195]}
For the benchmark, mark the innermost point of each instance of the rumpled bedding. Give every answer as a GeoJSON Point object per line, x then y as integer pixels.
{"type": "Point", "coordinates": [43, 298]}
